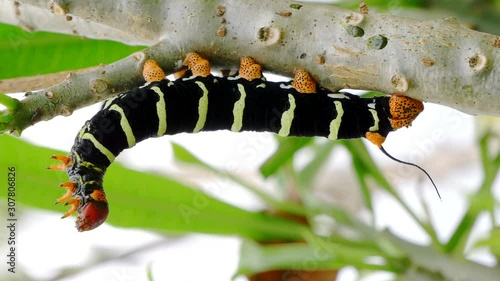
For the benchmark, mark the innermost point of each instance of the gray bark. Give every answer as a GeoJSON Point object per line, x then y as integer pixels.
{"type": "Point", "coordinates": [436, 61]}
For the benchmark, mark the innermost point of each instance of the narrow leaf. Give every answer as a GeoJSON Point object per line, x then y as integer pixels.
{"type": "Point", "coordinates": [10, 103]}
{"type": "Point", "coordinates": [286, 150]}
{"type": "Point", "coordinates": [138, 199]}
{"type": "Point", "coordinates": [27, 54]}
{"type": "Point", "coordinates": [184, 155]}
{"type": "Point", "coordinates": [321, 153]}
{"type": "Point", "coordinates": [302, 256]}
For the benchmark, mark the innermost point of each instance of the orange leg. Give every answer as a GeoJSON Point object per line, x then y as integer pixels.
{"type": "Point", "coordinates": [75, 203]}
{"type": "Point", "coordinates": [65, 163]}
{"type": "Point", "coordinates": [70, 189]}
{"type": "Point", "coordinates": [303, 82]}
{"type": "Point", "coordinates": [180, 73]}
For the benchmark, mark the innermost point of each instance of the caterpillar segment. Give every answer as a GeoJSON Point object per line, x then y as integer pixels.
{"type": "Point", "coordinates": [197, 101]}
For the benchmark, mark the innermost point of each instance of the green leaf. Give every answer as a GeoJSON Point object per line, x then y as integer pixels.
{"type": "Point", "coordinates": [182, 154]}
{"type": "Point", "coordinates": [5, 119]}
{"type": "Point", "coordinates": [362, 177]}
{"type": "Point", "coordinates": [321, 153]}
{"type": "Point", "coordinates": [26, 54]}
{"type": "Point", "coordinates": [364, 166]}
{"type": "Point", "coordinates": [10, 103]}
{"type": "Point", "coordinates": [285, 152]}
{"type": "Point", "coordinates": [481, 201]}
{"type": "Point", "coordinates": [492, 242]}
{"type": "Point", "coordinates": [320, 255]}
{"type": "Point", "coordinates": [140, 200]}
{"type": "Point", "coordinates": [149, 272]}
{"type": "Point", "coordinates": [305, 178]}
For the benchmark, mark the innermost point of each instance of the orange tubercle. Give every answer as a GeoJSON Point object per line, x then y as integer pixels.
{"type": "Point", "coordinates": [202, 68]}
{"type": "Point", "coordinates": [246, 62]}
{"type": "Point", "coordinates": [403, 110]}
{"type": "Point", "coordinates": [303, 82]}
{"type": "Point", "coordinates": [249, 69]}
{"type": "Point", "coordinates": [99, 195]}
{"type": "Point", "coordinates": [192, 59]}
{"type": "Point", "coordinates": [375, 138]}
{"type": "Point", "coordinates": [152, 71]}
{"type": "Point", "coordinates": [251, 72]}
{"type": "Point", "coordinates": [198, 65]}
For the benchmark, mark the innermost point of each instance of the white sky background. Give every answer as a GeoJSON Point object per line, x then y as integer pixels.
{"type": "Point", "coordinates": [441, 140]}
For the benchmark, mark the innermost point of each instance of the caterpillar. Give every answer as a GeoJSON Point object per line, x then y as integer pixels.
{"type": "Point", "coordinates": [198, 101]}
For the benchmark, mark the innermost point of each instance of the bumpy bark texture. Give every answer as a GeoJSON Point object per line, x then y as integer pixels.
{"type": "Point", "coordinates": [436, 61]}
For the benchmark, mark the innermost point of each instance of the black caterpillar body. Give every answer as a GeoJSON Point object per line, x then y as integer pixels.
{"type": "Point", "coordinates": [198, 101]}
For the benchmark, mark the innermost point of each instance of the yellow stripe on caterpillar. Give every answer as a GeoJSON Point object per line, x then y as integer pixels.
{"type": "Point", "coordinates": [238, 110]}
{"type": "Point", "coordinates": [125, 125]}
{"type": "Point", "coordinates": [160, 112]}
{"type": "Point", "coordinates": [335, 123]}
{"type": "Point", "coordinates": [202, 108]}
{"type": "Point", "coordinates": [287, 117]}
{"type": "Point", "coordinates": [99, 146]}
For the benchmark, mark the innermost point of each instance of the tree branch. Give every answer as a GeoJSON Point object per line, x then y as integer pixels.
{"type": "Point", "coordinates": [39, 16]}
{"type": "Point", "coordinates": [436, 61]}
{"type": "Point", "coordinates": [26, 84]}
{"type": "Point", "coordinates": [432, 265]}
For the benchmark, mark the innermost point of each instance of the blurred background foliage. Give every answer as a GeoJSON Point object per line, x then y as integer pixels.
{"type": "Point", "coordinates": [296, 225]}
